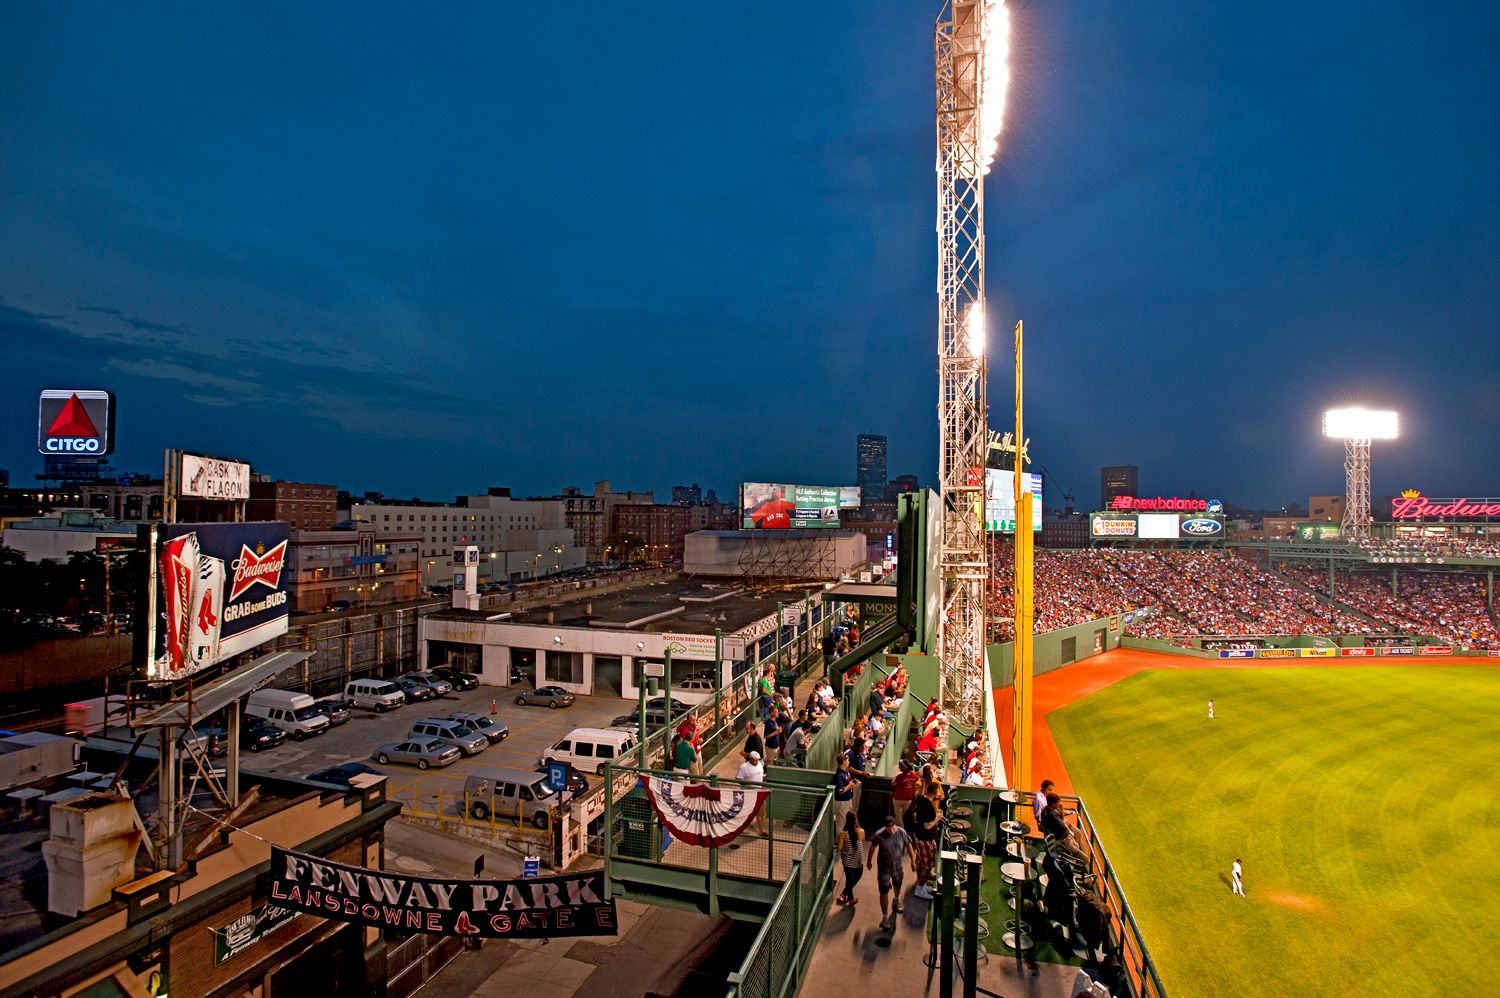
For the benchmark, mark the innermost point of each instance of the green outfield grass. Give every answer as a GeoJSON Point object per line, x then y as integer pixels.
{"type": "Point", "coordinates": [1364, 802]}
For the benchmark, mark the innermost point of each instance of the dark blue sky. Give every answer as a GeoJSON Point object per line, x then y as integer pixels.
{"type": "Point", "coordinates": [429, 250]}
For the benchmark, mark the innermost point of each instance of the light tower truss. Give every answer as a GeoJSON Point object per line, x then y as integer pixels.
{"type": "Point", "coordinates": [967, 130]}
{"type": "Point", "coordinates": [1356, 523]}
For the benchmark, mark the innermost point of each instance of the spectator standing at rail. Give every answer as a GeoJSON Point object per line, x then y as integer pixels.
{"type": "Point", "coordinates": [924, 819]}
{"type": "Point", "coordinates": [845, 783]}
{"type": "Point", "coordinates": [753, 741]}
{"type": "Point", "coordinates": [753, 771]}
{"type": "Point", "coordinates": [903, 790]}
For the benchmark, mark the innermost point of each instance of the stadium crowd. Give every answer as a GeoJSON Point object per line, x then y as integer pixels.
{"type": "Point", "coordinates": [1430, 547]}
{"type": "Point", "coordinates": [1219, 593]}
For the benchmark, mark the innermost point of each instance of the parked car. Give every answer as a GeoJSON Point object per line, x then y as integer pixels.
{"type": "Point", "coordinates": [342, 775]}
{"type": "Point", "coordinates": [207, 739]}
{"type": "Point", "coordinates": [424, 753]}
{"type": "Point", "coordinates": [589, 748]}
{"type": "Point", "coordinates": [509, 793]}
{"type": "Point", "coordinates": [449, 732]}
{"type": "Point", "coordinates": [336, 710]}
{"type": "Point", "coordinates": [482, 723]}
{"type": "Point", "coordinates": [655, 720]}
{"type": "Point", "coordinates": [660, 703]}
{"type": "Point", "coordinates": [438, 685]}
{"type": "Point", "coordinates": [550, 696]}
{"type": "Point", "coordinates": [338, 606]}
{"type": "Point", "coordinates": [414, 689]}
{"type": "Point", "coordinates": [257, 734]}
{"type": "Point", "coordinates": [293, 712]}
{"type": "Point", "coordinates": [518, 676]}
{"type": "Point", "coordinates": [460, 680]}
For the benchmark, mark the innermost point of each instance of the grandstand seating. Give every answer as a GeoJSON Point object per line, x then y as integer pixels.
{"type": "Point", "coordinates": [1219, 593]}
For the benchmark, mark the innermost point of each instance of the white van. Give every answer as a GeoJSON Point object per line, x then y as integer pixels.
{"type": "Point", "coordinates": [295, 713]}
{"type": "Point", "coordinates": [374, 694]}
{"type": "Point", "coordinates": [590, 749]}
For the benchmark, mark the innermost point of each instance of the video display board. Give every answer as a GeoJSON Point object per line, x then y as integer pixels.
{"type": "Point", "coordinates": [1156, 526]}
{"type": "Point", "coordinates": [1000, 500]}
{"type": "Point", "coordinates": [220, 589]}
{"type": "Point", "coordinates": [775, 506]}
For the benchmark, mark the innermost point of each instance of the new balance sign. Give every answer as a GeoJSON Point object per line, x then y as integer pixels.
{"type": "Point", "coordinates": [77, 421]}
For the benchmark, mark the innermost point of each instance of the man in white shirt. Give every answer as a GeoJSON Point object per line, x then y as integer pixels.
{"type": "Point", "coordinates": [752, 770]}
{"type": "Point", "coordinates": [1039, 803]}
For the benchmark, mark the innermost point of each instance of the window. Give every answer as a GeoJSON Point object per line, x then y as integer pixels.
{"type": "Point", "coordinates": [584, 750]}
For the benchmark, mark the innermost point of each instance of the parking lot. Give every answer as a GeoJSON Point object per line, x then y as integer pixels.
{"type": "Point", "coordinates": [532, 729]}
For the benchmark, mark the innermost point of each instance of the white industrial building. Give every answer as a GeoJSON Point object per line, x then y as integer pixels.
{"type": "Point", "coordinates": [518, 539]}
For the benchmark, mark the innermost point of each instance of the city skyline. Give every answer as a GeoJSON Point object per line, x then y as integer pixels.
{"type": "Point", "coordinates": [272, 247]}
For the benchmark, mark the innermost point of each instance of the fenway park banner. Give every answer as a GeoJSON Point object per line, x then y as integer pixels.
{"type": "Point", "coordinates": [570, 905]}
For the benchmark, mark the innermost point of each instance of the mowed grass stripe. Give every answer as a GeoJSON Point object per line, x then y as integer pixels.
{"type": "Point", "coordinates": [1364, 802]}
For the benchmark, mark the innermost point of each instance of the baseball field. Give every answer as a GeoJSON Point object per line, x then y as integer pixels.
{"type": "Point", "coordinates": [1363, 802]}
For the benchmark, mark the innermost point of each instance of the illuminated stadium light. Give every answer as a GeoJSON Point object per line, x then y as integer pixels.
{"type": "Point", "coordinates": [1356, 427]}
{"type": "Point", "coordinates": [1360, 424]}
{"type": "Point", "coordinates": [976, 329]}
{"type": "Point", "coordinates": [996, 72]}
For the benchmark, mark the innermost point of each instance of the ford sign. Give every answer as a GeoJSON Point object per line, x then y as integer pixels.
{"type": "Point", "coordinates": [1201, 527]}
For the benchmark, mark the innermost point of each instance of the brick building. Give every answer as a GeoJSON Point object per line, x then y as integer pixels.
{"type": "Point", "coordinates": [303, 505]}
{"type": "Point", "coordinates": [660, 527]}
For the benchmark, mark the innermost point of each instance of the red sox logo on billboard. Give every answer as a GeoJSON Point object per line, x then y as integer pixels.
{"type": "Point", "coordinates": [75, 421]}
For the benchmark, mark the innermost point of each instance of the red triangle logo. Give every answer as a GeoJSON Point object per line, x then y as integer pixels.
{"type": "Point", "coordinates": [73, 420]}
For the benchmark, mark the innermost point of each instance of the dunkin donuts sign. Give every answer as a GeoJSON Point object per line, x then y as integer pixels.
{"type": "Point", "coordinates": [221, 589]}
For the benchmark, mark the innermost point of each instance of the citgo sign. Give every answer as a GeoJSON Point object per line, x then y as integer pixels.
{"type": "Point", "coordinates": [75, 421]}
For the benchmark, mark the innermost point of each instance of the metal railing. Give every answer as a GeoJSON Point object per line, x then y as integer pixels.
{"type": "Point", "coordinates": [782, 949]}
{"type": "Point", "coordinates": [1135, 958]}
{"type": "Point", "coordinates": [633, 833]}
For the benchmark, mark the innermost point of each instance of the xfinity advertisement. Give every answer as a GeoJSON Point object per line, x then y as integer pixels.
{"type": "Point", "coordinates": [219, 589]}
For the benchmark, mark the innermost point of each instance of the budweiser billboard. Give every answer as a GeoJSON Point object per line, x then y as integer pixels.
{"type": "Point", "coordinates": [1412, 505]}
{"type": "Point", "coordinates": [220, 589]}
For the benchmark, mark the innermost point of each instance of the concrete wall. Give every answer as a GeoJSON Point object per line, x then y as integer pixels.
{"type": "Point", "coordinates": [719, 553]}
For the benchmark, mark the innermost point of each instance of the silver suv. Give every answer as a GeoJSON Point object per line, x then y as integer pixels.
{"type": "Point", "coordinates": [449, 732]}
{"type": "Point", "coordinates": [488, 726]}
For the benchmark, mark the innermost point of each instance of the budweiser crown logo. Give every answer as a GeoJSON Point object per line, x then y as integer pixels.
{"type": "Point", "coordinates": [263, 567]}
{"type": "Point", "coordinates": [1411, 494]}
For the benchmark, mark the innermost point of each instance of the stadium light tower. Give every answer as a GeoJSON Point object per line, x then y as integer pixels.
{"type": "Point", "coordinates": [1356, 428]}
{"type": "Point", "coordinates": [970, 53]}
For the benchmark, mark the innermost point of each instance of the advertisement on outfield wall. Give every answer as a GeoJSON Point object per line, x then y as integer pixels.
{"type": "Point", "coordinates": [1435, 650]}
{"type": "Point", "coordinates": [1397, 650]}
{"type": "Point", "coordinates": [1200, 528]}
{"type": "Point", "coordinates": [1357, 652]}
{"type": "Point", "coordinates": [1106, 526]}
{"type": "Point", "coordinates": [1156, 526]}
{"type": "Point", "coordinates": [773, 506]}
{"type": "Point", "coordinates": [1236, 652]}
{"type": "Point", "coordinates": [1000, 500]}
{"type": "Point", "coordinates": [1278, 653]}
{"type": "Point", "coordinates": [219, 589]}
{"type": "Point", "coordinates": [1318, 652]}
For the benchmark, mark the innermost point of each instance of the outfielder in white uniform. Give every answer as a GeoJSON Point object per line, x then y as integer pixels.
{"type": "Point", "coordinates": [1234, 873]}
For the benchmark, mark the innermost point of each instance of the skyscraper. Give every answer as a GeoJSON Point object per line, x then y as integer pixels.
{"type": "Point", "coordinates": [1119, 480]}
{"type": "Point", "coordinates": [870, 467]}
{"type": "Point", "coordinates": [687, 495]}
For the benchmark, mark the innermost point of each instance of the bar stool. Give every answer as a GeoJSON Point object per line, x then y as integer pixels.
{"type": "Point", "coordinates": [1017, 931]}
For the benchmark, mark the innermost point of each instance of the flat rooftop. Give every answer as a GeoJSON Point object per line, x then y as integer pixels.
{"type": "Point", "coordinates": [669, 605]}
{"type": "Point", "coordinates": [23, 870]}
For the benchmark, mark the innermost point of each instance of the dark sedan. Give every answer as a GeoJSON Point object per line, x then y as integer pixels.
{"type": "Point", "coordinates": [257, 734]}
{"type": "Point", "coordinates": [460, 680]}
{"type": "Point", "coordinates": [344, 775]}
{"type": "Point", "coordinates": [415, 689]}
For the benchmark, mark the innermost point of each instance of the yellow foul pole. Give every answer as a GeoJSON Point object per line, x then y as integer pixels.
{"type": "Point", "coordinates": [1020, 777]}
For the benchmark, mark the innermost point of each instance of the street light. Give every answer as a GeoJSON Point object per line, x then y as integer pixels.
{"type": "Point", "coordinates": [1357, 427]}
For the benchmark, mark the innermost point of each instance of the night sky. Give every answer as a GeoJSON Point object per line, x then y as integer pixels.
{"type": "Point", "coordinates": [426, 250]}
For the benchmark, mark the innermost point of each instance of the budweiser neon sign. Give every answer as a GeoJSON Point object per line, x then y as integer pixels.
{"type": "Point", "coordinates": [1173, 504]}
{"type": "Point", "coordinates": [1413, 505]}
{"type": "Point", "coordinates": [250, 568]}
